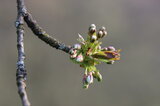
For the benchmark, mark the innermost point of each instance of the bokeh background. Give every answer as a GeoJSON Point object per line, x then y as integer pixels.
{"type": "Point", "coordinates": [53, 80]}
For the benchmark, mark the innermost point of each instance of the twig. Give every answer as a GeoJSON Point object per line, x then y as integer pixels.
{"type": "Point", "coordinates": [21, 74]}
{"type": "Point", "coordinates": [37, 30]}
{"type": "Point", "coordinates": [21, 71]}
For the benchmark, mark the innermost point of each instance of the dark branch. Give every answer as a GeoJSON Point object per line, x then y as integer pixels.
{"type": "Point", "coordinates": [37, 30]}
{"type": "Point", "coordinates": [21, 71]}
{"type": "Point", "coordinates": [21, 74]}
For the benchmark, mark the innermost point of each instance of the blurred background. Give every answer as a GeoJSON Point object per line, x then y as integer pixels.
{"type": "Point", "coordinates": [53, 80]}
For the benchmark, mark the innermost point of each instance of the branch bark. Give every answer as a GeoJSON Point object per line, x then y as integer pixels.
{"type": "Point", "coordinates": [21, 74]}
{"type": "Point", "coordinates": [21, 71]}
{"type": "Point", "coordinates": [38, 31]}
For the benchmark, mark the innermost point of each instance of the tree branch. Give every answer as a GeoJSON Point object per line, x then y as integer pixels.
{"type": "Point", "coordinates": [21, 71]}
{"type": "Point", "coordinates": [21, 74]}
{"type": "Point", "coordinates": [38, 31]}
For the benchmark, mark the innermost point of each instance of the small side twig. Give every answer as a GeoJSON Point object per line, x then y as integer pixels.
{"type": "Point", "coordinates": [21, 71]}
{"type": "Point", "coordinates": [38, 31]}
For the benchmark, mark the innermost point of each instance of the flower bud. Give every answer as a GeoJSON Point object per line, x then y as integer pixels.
{"type": "Point", "coordinates": [72, 51]}
{"type": "Point", "coordinates": [77, 46]}
{"type": "Point", "coordinates": [85, 84]}
{"type": "Point", "coordinates": [98, 76]}
{"type": "Point", "coordinates": [74, 55]}
{"type": "Point", "coordinates": [100, 34]}
{"type": "Point", "coordinates": [79, 58]}
{"type": "Point", "coordinates": [92, 26]}
{"type": "Point", "coordinates": [92, 29]}
{"type": "Point", "coordinates": [93, 38]}
{"type": "Point", "coordinates": [87, 79]}
{"type": "Point", "coordinates": [107, 55]}
{"type": "Point", "coordinates": [104, 33]}
{"type": "Point", "coordinates": [103, 28]}
{"type": "Point", "coordinates": [111, 48]}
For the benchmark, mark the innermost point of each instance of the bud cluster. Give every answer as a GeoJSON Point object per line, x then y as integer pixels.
{"type": "Point", "coordinates": [96, 35]}
{"type": "Point", "coordinates": [89, 53]}
{"type": "Point", "coordinates": [74, 53]}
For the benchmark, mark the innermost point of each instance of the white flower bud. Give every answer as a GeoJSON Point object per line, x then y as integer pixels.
{"type": "Point", "coordinates": [100, 34]}
{"type": "Point", "coordinates": [103, 28]}
{"type": "Point", "coordinates": [74, 55]}
{"type": "Point", "coordinates": [104, 33]}
{"type": "Point", "coordinates": [92, 30]}
{"type": "Point", "coordinates": [89, 79]}
{"type": "Point", "coordinates": [94, 37]}
{"type": "Point", "coordinates": [77, 46]}
{"type": "Point", "coordinates": [79, 58]}
{"type": "Point", "coordinates": [92, 26]}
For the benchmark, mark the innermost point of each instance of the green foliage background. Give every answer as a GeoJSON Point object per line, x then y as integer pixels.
{"type": "Point", "coordinates": [53, 80]}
